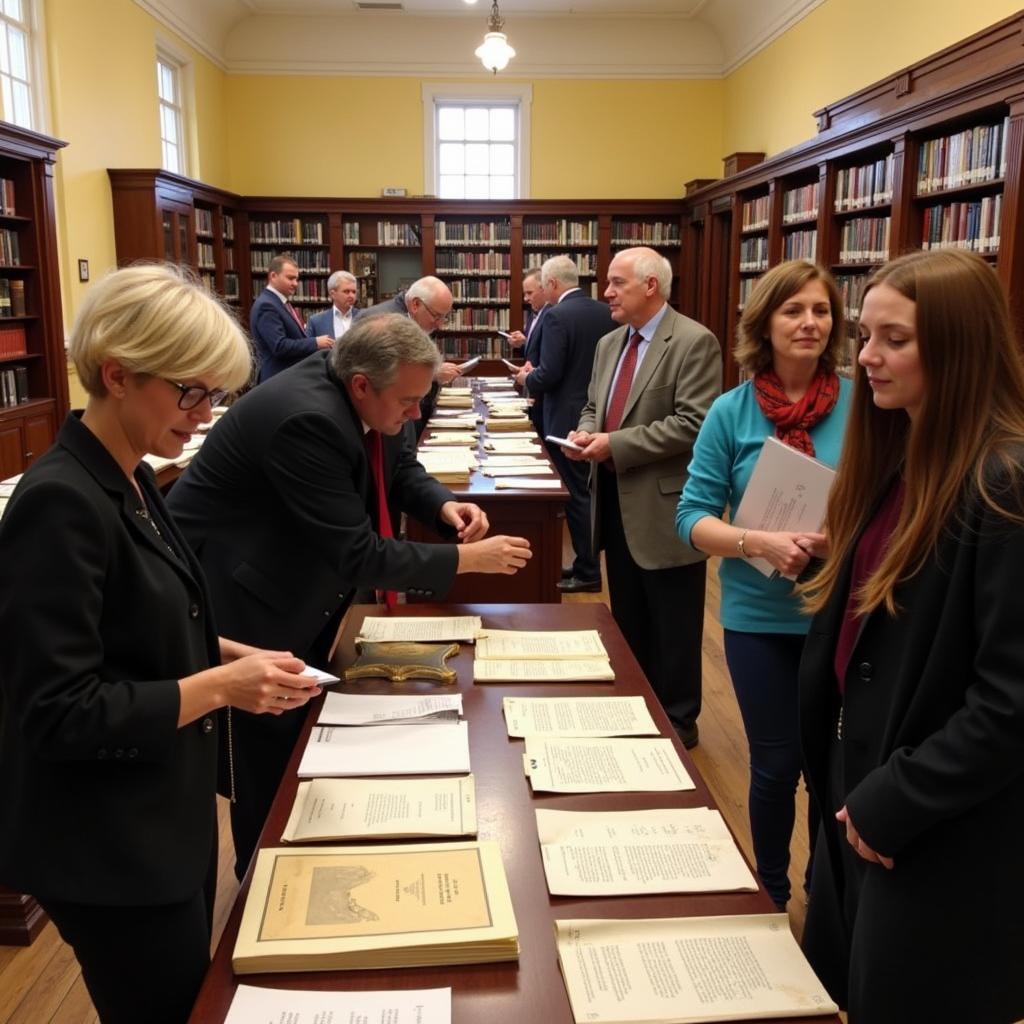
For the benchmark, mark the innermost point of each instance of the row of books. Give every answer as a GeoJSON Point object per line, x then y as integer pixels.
{"type": "Point", "coordinates": [231, 289]}
{"type": "Point", "coordinates": [560, 232]}
{"type": "Point", "coordinates": [229, 259]}
{"type": "Point", "coordinates": [312, 289]}
{"type": "Point", "coordinates": [963, 158]}
{"type": "Point", "coordinates": [800, 203]}
{"type": "Point", "coordinates": [7, 198]}
{"type": "Point", "coordinates": [756, 213]}
{"type": "Point", "coordinates": [867, 185]}
{"type": "Point", "coordinates": [390, 233]}
{"type": "Point", "coordinates": [754, 253]}
{"type": "Point", "coordinates": [366, 292]}
{"type": "Point", "coordinates": [307, 260]}
{"type": "Point", "coordinates": [473, 232]}
{"type": "Point", "coordinates": [973, 226]}
{"type": "Point", "coordinates": [362, 264]}
{"type": "Point", "coordinates": [479, 262]}
{"type": "Point", "coordinates": [851, 288]}
{"type": "Point", "coordinates": [289, 229]}
{"type": "Point", "coordinates": [481, 289]}
{"type": "Point", "coordinates": [800, 245]}
{"type": "Point", "coordinates": [204, 254]}
{"type": "Point", "coordinates": [228, 227]}
{"type": "Point", "coordinates": [204, 221]}
{"type": "Point", "coordinates": [12, 341]}
{"type": "Point", "coordinates": [13, 386]}
{"type": "Point", "coordinates": [467, 319]}
{"type": "Point", "coordinates": [458, 348]}
{"type": "Point", "coordinates": [208, 281]}
{"type": "Point", "coordinates": [746, 287]}
{"type": "Point", "coordinates": [865, 239]}
{"type": "Point", "coordinates": [586, 262]}
{"type": "Point", "coordinates": [10, 252]}
{"type": "Point", "coordinates": [12, 299]}
{"type": "Point", "coordinates": [645, 232]}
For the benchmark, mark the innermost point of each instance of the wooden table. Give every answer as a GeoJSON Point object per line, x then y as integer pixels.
{"type": "Point", "coordinates": [535, 515]}
{"type": "Point", "coordinates": [530, 990]}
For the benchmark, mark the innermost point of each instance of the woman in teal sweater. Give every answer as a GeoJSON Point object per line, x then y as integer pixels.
{"type": "Point", "coordinates": [789, 338]}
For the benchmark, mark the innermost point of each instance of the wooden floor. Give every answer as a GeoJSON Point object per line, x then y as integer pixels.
{"type": "Point", "coordinates": [42, 983]}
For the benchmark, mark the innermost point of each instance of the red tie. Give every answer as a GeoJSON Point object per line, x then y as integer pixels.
{"type": "Point", "coordinates": [375, 452]}
{"type": "Point", "coordinates": [295, 315]}
{"type": "Point", "coordinates": [624, 381]}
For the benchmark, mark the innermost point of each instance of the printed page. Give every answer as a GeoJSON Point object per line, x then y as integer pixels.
{"type": "Point", "coordinates": [381, 808]}
{"type": "Point", "coordinates": [619, 853]}
{"type": "Point", "coordinates": [605, 766]}
{"type": "Point", "coordinates": [564, 670]}
{"type": "Point", "coordinates": [383, 709]}
{"type": "Point", "coordinates": [528, 484]}
{"type": "Point", "coordinates": [544, 644]}
{"type": "Point", "coordinates": [538, 469]}
{"type": "Point", "coordinates": [322, 677]}
{"type": "Point", "coordinates": [426, 629]}
{"type": "Point", "coordinates": [253, 1005]}
{"type": "Point", "coordinates": [464, 438]}
{"type": "Point", "coordinates": [578, 716]}
{"type": "Point", "coordinates": [339, 751]}
{"type": "Point", "coordinates": [687, 970]}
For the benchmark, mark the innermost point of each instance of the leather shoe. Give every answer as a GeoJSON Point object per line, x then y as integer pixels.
{"type": "Point", "coordinates": [688, 734]}
{"type": "Point", "coordinates": [574, 585]}
{"type": "Point", "coordinates": [566, 573]}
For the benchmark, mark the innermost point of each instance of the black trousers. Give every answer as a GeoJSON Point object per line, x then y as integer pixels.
{"type": "Point", "coordinates": [586, 565]}
{"type": "Point", "coordinates": [660, 613]}
{"type": "Point", "coordinates": [141, 963]}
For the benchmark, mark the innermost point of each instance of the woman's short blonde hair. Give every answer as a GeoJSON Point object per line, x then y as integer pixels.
{"type": "Point", "coordinates": [156, 318]}
{"type": "Point", "coordinates": [753, 349]}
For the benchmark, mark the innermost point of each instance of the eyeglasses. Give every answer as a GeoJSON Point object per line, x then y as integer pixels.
{"type": "Point", "coordinates": [192, 394]}
{"type": "Point", "coordinates": [439, 318]}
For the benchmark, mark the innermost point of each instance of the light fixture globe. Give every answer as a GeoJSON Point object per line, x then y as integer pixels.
{"type": "Point", "coordinates": [494, 52]}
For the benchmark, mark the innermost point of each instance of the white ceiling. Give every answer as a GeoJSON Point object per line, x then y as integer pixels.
{"type": "Point", "coordinates": [553, 38]}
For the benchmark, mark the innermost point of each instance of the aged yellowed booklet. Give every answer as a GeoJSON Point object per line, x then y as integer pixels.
{"type": "Point", "coordinates": [349, 908]}
{"type": "Point", "coordinates": [619, 853]}
{"type": "Point", "coordinates": [577, 716]}
{"type": "Point", "coordinates": [334, 809]}
{"type": "Point", "coordinates": [687, 970]}
{"type": "Point", "coordinates": [520, 656]}
{"type": "Point", "coordinates": [420, 628]}
{"type": "Point", "coordinates": [566, 765]}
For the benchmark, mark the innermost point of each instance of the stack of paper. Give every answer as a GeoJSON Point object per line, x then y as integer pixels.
{"type": "Point", "coordinates": [687, 970]}
{"type": "Point", "coordinates": [381, 809]}
{"type": "Point", "coordinates": [538, 468]}
{"type": "Point", "coordinates": [343, 908]}
{"type": "Point", "coordinates": [420, 628]}
{"type": "Point", "coordinates": [447, 464]}
{"type": "Point", "coordinates": [465, 438]}
{"type": "Point", "coordinates": [520, 483]}
{"type": "Point", "coordinates": [564, 765]}
{"type": "Point", "coordinates": [253, 1005]}
{"type": "Point", "coordinates": [453, 423]}
{"type": "Point", "coordinates": [502, 424]}
{"type": "Point", "coordinates": [577, 716]}
{"type": "Point", "coordinates": [452, 398]}
{"type": "Point", "coordinates": [512, 446]}
{"type": "Point", "coordinates": [622, 853]}
{"type": "Point", "coordinates": [388, 709]}
{"type": "Point", "coordinates": [514, 656]}
{"type": "Point", "coordinates": [512, 460]}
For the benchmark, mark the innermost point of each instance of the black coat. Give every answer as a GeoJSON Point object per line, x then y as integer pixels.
{"type": "Point", "coordinates": [933, 766]}
{"type": "Point", "coordinates": [103, 799]}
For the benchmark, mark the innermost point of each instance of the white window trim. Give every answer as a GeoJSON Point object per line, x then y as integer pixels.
{"type": "Point", "coordinates": [37, 71]}
{"type": "Point", "coordinates": [460, 92]}
{"type": "Point", "coordinates": [189, 147]}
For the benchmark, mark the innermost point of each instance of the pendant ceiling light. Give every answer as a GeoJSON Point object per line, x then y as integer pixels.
{"type": "Point", "coordinates": [494, 51]}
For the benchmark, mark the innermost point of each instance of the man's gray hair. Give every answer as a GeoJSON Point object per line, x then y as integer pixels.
{"type": "Point", "coordinates": [337, 277]}
{"type": "Point", "coordinates": [376, 346]}
{"type": "Point", "coordinates": [531, 272]}
{"type": "Point", "coordinates": [651, 264]}
{"type": "Point", "coordinates": [426, 289]}
{"type": "Point", "coordinates": [562, 269]}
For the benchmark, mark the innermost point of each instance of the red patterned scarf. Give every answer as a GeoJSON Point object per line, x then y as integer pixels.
{"type": "Point", "coordinates": [793, 419]}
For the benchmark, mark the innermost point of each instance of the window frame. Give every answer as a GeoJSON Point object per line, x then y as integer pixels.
{"type": "Point", "coordinates": [180, 68]}
{"type": "Point", "coordinates": [31, 27]}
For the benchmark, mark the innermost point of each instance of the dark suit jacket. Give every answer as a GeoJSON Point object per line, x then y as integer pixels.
{"type": "Point", "coordinates": [103, 799]}
{"type": "Point", "coordinates": [571, 330]}
{"type": "Point", "coordinates": [531, 353]}
{"type": "Point", "coordinates": [279, 340]}
{"type": "Point", "coordinates": [933, 733]}
{"type": "Point", "coordinates": [276, 507]}
{"type": "Point", "coordinates": [323, 323]}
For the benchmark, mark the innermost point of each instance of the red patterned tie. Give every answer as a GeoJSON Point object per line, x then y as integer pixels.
{"type": "Point", "coordinates": [375, 452]}
{"type": "Point", "coordinates": [623, 383]}
{"type": "Point", "coordinates": [295, 315]}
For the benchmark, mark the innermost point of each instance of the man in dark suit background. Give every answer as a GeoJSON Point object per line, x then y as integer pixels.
{"type": "Point", "coordinates": [335, 322]}
{"type": "Point", "coordinates": [528, 343]}
{"type": "Point", "coordinates": [573, 325]}
{"type": "Point", "coordinates": [287, 508]}
{"type": "Point", "coordinates": [278, 333]}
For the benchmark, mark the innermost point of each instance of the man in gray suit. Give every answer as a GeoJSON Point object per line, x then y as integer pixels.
{"type": "Point", "coordinates": [342, 288]}
{"type": "Point", "coordinates": [652, 384]}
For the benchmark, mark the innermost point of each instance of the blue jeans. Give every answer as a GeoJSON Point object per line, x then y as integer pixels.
{"type": "Point", "coordinates": [764, 668]}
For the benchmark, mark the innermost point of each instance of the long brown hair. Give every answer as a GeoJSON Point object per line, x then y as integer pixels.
{"type": "Point", "coordinates": [972, 412]}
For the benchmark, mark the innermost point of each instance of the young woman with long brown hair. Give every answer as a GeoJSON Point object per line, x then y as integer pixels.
{"type": "Point", "coordinates": [912, 680]}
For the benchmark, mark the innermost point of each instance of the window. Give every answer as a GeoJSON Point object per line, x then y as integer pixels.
{"type": "Point", "coordinates": [476, 141]}
{"type": "Point", "coordinates": [16, 62]}
{"type": "Point", "coordinates": [172, 142]}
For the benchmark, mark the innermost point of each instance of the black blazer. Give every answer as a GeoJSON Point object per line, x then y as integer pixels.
{"type": "Point", "coordinates": [279, 340]}
{"type": "Point", "coordinates": [933, 763]}
{"type": "Point", "coordinates": [570, 330]}
{"type": "Point", "coordinates": [103, 799]}
{"type": "Point", "coordinates": [279, 506]}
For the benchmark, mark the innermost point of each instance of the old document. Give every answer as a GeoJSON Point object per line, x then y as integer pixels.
{"type": "Point", "coordinates": [578, 716]}
{"type": "Point", "coordinates": [420, 629]}
{"type": "Point", "coordinates": [687, 970]}
{"type": "Point", "coordinates": [619, 853]}
{"type": "Point", "coordinates": [564, 765]}
{"type": "Point", "coordinates": [253, 1005]}
{"type": "Point", "coordinates": [565, 670]}
{"type": "Point", "coordinates": [381, 809]}
{"type": "Point", "coordinates": [516, 643]}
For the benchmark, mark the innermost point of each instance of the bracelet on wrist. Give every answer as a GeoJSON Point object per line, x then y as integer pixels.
{"type": "Point", "coordinates": [740, 545]}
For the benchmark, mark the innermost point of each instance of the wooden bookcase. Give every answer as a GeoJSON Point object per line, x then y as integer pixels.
{"type": "Point", "coordinates": [30, 266]}
{"type": "Point", "coordinates": [932, 155]}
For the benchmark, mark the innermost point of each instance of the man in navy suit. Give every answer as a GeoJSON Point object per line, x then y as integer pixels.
{"type": "Point", "coordinates": [278, 332]}
{"type": "Point", "coordinates": [572, 326]}
{"type": "Point", "coordinates": [342, 288]}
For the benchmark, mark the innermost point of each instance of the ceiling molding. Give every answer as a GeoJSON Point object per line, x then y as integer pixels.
{"type": "Point", "coordinates": [193, 35]}
{"type": "Point", "coordinates": [797, 12]}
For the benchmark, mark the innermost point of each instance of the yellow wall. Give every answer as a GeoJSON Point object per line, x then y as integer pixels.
{"type": "Point", "coordinates": [840, 47]}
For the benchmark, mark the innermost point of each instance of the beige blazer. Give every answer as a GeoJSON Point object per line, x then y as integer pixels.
{"type": "Point", "coordinates": [679, 378]}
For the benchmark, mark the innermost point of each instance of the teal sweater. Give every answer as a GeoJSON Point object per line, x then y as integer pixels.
{"type": "Point", "coordinates": [724, 455]}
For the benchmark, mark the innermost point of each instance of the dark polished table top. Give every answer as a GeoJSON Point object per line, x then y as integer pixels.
{"type": "Point", "coordinates": [530, 990]}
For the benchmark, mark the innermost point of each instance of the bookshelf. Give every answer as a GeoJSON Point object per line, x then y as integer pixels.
{"type": "Point", "coordinates": [576, 237]}
{"type": "Point", "coordinates": [665, 234]}
{"type": "Point", "coordinates": [929, 157]}
{"type": "Point", "coordinates": [384, 251]}
{"type": "Point", "coordinates": [303, 236]}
